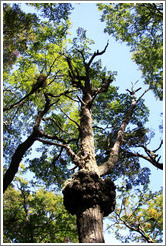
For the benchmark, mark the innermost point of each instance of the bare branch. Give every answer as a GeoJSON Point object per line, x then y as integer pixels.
{"type": "Point", "coordinates": [82, 102]}
{"type": "Point", "coordinates": [50, 143]}
{"type": "Point", "coordinates": [151, 159]}
{"type": "Point", "coordinates": [158, 147]}
{"type": "Point", "coordinates": [143, 94]}
{"type": "Point", "coordinates": [114, 152]}
{"type": "Point", "coordinates": [98, 53]}
{"type": "Point", "coordinates": [46, 135]}
{"type": "Point", "coordinates": [55, 137]}
{"type": "Point", "coordinates": [112, 160]}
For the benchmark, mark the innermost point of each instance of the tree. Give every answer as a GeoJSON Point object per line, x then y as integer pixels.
{"type": "Point", "coordinates": [37, 217]}
{"type": "Point", "coordinates": [140, 25]}
{"type": "Point", "coordinates": [141, 213]}
{"type": "Point", "coordinates": [17, 32]}
{"type": "Point", "coordinates": [58, 114]}
{"type": "Point", "coordinates": [19, 28]}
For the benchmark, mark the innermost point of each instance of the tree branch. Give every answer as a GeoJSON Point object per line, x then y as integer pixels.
{"type": "Point", "coordinates": [74, 76]}
{"type": "Point", "coordinates": [61, 94]}
{"type": "Point", "coordinates": [136, 228]}
{"type": "Point", "coordinates": [97, 53]}
{"type": "Point", "coordinates": [70, 118]}
{"type": "Point", "coordinates": [40, 83]}
{"type": "Point", "coordinates": [53, 120]}
{"type": "Point", "coordinates": [23, 147]}
{"type": "Point", "coordinates": [155, 150]}
{"type": "Point", "coordinates": [112, 160]}
{"type": "Point", "coordinates": [52, 65]}
{"type": "Point", "coordinates": [75, 158]}
{"type": "Point", "coordinates": [114, 152]}
{"type": "Point", "coordinates": [104, 87]}
{"type": "Point", "coordinates": [147, 158]}
{"type": "Point", "coordinates": [54, 137]}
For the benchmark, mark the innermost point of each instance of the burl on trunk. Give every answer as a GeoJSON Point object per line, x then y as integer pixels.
{"type": "Point", "coordinates": [90, 198]}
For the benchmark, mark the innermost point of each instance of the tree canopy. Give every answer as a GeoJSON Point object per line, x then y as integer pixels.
{"type": "Point", "coordinates": [19, 28]}
{"type": "Point", "coordinates": [140, 25]}
{"type": "Point", "coordinates": [37, 217]}
{"type": "Point", "coordinates": [60, 99]}
{"type": "Point", "coordinates": [140, 212]}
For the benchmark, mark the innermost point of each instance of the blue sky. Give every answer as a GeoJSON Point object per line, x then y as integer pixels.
{"type": "Point", "coordinates": [118, 58]}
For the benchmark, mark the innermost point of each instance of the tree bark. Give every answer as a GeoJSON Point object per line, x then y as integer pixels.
{"type": "Point", "coordinates": [23, 147]}
{"type": "Point", "coordinates": [16, 159]}
{"type": "Point", "coordinates": [86, 194]}
{"type": "Point", "coordinates": [90, 198]}
{"type": "Point", "coordinates": [90, 225]}
{"type": "Point", "coordinates": [87, 138]}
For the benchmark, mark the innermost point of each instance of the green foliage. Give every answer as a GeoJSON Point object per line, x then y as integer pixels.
{"type": "Point", "coordinates": [17, 31]}
{"type": "Point", "coordinates": [62, 120]}
{"type": "Point", "coordinates": [54, 11]}
{"type": "Point", "coordinates": [140, 25]}
{"type": "Point", "coordinates": [20, 29]}
{"type": "Point", "coordinates": [140, 214]}
{"type": "Point", "coordinates": [37, 217]}
{"type": "Point", "coordinates": [107, 121]}
{"type": "Point", "coordinates": [42, 55]}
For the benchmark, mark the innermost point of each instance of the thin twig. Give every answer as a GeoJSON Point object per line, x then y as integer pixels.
{"type": "Point", "coordinates": [69, 117]}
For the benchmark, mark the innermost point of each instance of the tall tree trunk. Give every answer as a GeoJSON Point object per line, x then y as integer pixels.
{"type": "Point", "coordinates": [90, 225]}
{"type": "Point", "coordinates": [87, 195]}
{"type": "Point", "coordinates": [87, 137]}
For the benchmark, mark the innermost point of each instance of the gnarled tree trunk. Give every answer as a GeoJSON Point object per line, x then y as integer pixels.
{"type": "Point", "coordinates": [87, 195]}
{"type": "Point", "coordinates": [90, 198]}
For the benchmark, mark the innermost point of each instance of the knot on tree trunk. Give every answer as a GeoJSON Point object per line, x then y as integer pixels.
{"type": "Point", "coordinates": [86, 190]}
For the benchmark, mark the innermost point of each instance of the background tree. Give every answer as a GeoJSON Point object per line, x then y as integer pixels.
{"type": "Point", "coordinates": [140, 25]}
{"type": "Point", "coordinates": [36, 217]}
{"type": "Point", "coordinates": [19, 28]}
{"type": "Point", "coordinates": [140, 212]}
{"type": "Point", "coordinates": [59, 116]}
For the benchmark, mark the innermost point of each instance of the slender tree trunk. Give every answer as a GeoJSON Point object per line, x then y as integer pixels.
{"type": "Point", "coordinates": [90, 225]}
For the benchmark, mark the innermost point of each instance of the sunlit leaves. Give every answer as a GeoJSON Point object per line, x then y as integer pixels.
{"type": "Point", "coordinates": [38, 217]}
{"type": "Point", "coordinates": [20, 29]}
{"type": "Point", "coordinates": [141, 215]}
